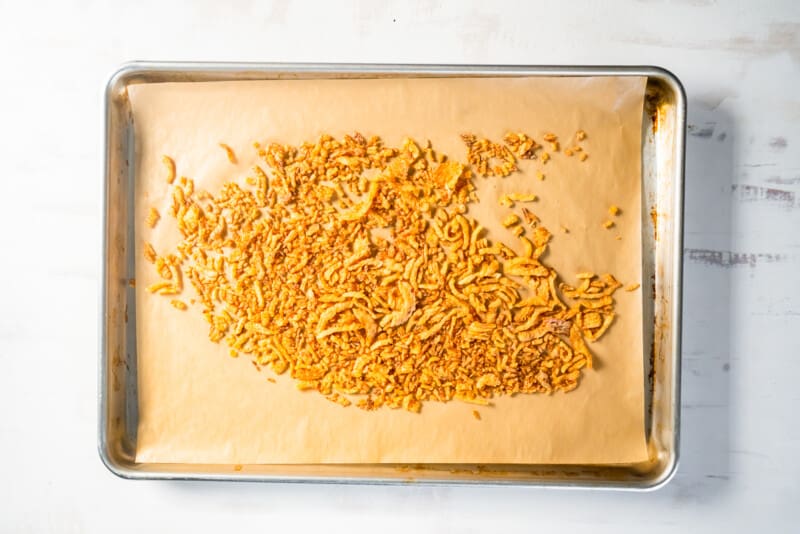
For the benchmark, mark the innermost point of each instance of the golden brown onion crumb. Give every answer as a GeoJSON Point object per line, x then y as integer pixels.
{"type": "Point", "coordinates": [632, 287]}
{"type": "Point", "coordinates": [152, 217]}
{"type": "Point", "coordinates": [522, 197]}
{"type": "Point", "coordinates": [511, 220]}
{"type": "Point", "coordinates": [169, 163]}
{"type": "Point", "coordinates": [149, 253]}
{"type": "Point", "coordinates": [476, 414]}
{"type": "Point", "coordinates": [489, 158]}
{"type": "Point", "coordinates": [229, 152]}
{"type": "Point", "coordinates": [523, 146]}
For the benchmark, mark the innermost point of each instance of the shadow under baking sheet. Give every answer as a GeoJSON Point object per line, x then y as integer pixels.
{"type": "Point", "coordinates": [706, 419]}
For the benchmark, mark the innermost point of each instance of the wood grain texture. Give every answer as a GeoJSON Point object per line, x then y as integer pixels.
{"type": "Point", "coordinates": [739, 63]}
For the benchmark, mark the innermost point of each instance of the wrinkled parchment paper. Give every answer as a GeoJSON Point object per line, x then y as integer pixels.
{"type": "Point", "coordinates": [199, 405]}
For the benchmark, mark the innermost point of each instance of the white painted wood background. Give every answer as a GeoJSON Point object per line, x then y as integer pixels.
{"type": "Point", "coordinates": [740, 64]}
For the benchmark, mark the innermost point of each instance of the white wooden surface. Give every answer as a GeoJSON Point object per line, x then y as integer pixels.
{"type": "Point", "coordinates": [740, 65]}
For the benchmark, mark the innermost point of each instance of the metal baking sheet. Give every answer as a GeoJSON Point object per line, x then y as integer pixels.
{"type": "Point", "coordinates": [663, 135]}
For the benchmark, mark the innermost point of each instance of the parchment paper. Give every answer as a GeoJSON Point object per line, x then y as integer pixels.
{"type": "Point", "coordinates": [199, 405]}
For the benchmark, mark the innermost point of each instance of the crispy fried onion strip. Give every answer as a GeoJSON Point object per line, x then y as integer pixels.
{"type": "Point", "coordinates": [355, 268]}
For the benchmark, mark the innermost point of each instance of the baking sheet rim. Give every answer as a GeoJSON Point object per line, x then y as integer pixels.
{"type": "Point", "coordinates": [217, 71]}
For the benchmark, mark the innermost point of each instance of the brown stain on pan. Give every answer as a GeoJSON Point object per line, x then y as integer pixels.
{"type": "Point", "coordinates": [655, 107]}
{"type": "Point", "coordinates": [652, 102]}
{"type": "Point", "coordinates": [618, 472]}
{"type": "Point", "coordinates": [654, 218]}
{"type": "Point", "coordinates": [651, 375]}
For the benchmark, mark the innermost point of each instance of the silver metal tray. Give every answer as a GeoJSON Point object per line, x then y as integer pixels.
{"type": "Point", "coordinates": [663, 136]}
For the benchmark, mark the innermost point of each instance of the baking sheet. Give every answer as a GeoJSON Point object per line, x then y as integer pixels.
{"type": "Point", "coordinates": [198, 405]}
